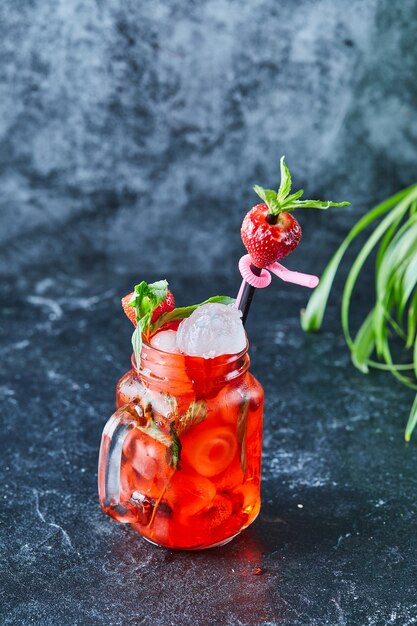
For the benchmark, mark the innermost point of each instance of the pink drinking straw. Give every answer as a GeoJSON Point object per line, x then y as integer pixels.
{"type": "Point", "coordinates": [259, 279]}
{"type": "Point", "coordinates": [305, 280]}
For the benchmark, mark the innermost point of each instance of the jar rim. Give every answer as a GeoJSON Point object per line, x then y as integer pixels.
{"type": "Point", "coordinates": [178, 358]}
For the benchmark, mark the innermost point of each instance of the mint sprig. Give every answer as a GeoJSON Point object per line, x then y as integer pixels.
{"type": "Point", "coordinates": [146, 298]}
{"type": "Point", "coordinates": [181, 313]}
{"type": "Point", "coordinates": [281, 200]}
{"type": "Point", "coordinates": [197, 412]}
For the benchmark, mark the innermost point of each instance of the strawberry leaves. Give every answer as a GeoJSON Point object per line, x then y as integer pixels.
{"type": "Point", "coordinates": [146, 298]}
{"type": "Point", "coordinates": [279, 201]}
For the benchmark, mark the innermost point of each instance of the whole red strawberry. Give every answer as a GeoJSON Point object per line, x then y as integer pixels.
{"type": "Point", "coordinates": [167, 305]}
{"type": "Point", "coordinates": [269, 238]}
{"type": "Point", "coordinates": [269, 232]}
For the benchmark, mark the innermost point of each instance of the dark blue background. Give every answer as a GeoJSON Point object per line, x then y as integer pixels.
{"type": "Point", "coordinates": [131, 132]}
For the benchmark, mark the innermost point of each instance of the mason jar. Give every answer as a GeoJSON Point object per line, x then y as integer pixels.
{"type": "Point", "coordinates": [180, 459]}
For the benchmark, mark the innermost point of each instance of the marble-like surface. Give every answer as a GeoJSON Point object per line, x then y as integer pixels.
{"type": "Point", "coordinates": [335, 540]}
{"type": "Point", "coordinates": [120, 119]}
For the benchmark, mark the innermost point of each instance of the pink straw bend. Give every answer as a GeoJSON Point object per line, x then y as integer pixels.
{"type": "Point", "coordinates": [298, 278]}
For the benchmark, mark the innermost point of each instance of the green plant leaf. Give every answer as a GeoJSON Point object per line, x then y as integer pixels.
{"type": "Point", "coordinates": [385, 241]}
{"type": "Point", "coordinates": [285, 184]}
{"type": "Point", "coordinates": [282, 201]}
{"type": "Point", "coordinates": [290, 201]}
{"type": "Point", "coordinates": [145, 299]}
{"type": "Point", "coordinates": [412, 321]}
{"type": "Point", "coordinates": [137, 344]}
{"type": "Point", "coordinates": [312, 316]}
{"type": "Point", "coordinates": [364, 253]}
{"type": "Point", "coordinates": [415, 357]}
{"type": "Point", "coordinates": [317, 204]}
{"type": "Point", "coordinates": [395, 370]}
{"type": "Point", "coordinates": [180, 313]}
{"type": "Point", "coordinates": [412, 421]}
{"type": "Point", "coordinates": [409, 283]}
{"type": "Point", "coordinates": [261, 192]}
{"type": "Point", "coordinates": [395, 290]}
{"type": "Point", "coordinates": [364, 344]}
{"type": "Point", "coordinates": [269, 196]}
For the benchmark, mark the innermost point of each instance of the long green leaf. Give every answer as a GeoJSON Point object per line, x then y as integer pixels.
{"type": "Point", "coordinates": [312, 316]}
{"type": "Point", "coordinates": [412, 421]}
{"type": "Point", "coordinates": [364, 344]}
{"type": "Point", "coordinates": [385, 241]}
{"type": "Point", "coordinates": [415, 357]}
{"type": "Point", "coordinates": [285, 184]}
{"type": "Point", "coordinates": [366, 250]}
{"type": "Point", "coordinates": [409, 283]}
{"type": "Point", "coordinates": [180, 313]}
{"type": "Point", "coordinates": [318, 204]}
{"type": "Point", "coordinates": [412, 321]}
{"type": "Point", "coordinates": [395, 371]}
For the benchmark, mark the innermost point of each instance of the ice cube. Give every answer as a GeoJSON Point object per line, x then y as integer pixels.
{"type": "Point", "coordinates": [165, 340]}
{"type": "Point", "coordinates": [211, 330]}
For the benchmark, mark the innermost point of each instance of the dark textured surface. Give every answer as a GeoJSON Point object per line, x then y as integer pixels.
{"type": "Point", "coordinates": [335, 539]}
{"type": "Point", "coordinates": [120, 119]}
{"type": "Point", "coordinates": [130, 135]}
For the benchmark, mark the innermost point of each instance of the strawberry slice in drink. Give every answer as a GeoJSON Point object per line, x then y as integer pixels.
{"type": "Point", "coordinates": [208, 449]}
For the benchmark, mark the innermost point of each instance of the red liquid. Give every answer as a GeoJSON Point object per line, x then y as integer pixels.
{"type": "Point", "coordinates": [213, 492]}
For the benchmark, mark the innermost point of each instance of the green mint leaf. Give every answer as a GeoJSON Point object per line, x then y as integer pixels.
{"type": "Point", "coordinates": [272, 201]}
{"type": "Point", "coordinates": [159, 290]}
{"type": "Point", "coordinates": [174, 451]}
{"type": "Point", "coordinates": [285, 185]}
{"type": "Point", "coordinates": [137, 344]}
{"type": "Point", "coordinates": [142, 324]}
{"type": "Point", "coordinates": [168, 439]}
{"type": "Point", "coordinates": [289, 200]}
{"type": "Point", "coordinates": [282, 201]}
{"type": "Point", "coordinates": [146, 298]}
{"type": "Point", "coordinates": [197, 412]}
{"type": "Point", "coordinates": [316, 204]}
{"type": "Point", "coordinates": [260, 191]}
{"type": "Point", "coordinates": [156, 432]}
{"type": "Point", "coordinates": [180, 313]}
{"type": "Point", "coordinates": [269, 196]}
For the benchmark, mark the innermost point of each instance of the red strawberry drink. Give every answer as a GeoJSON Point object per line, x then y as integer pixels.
{"type": "Point", "coordinates": [180, 459]}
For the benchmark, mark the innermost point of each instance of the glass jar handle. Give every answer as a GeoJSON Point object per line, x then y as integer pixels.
{"type": "Point", "coordinates": [110, 465]}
